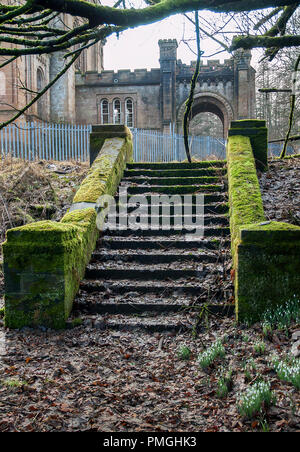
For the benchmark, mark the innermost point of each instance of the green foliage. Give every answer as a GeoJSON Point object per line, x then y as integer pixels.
{"type": "Point", "coordinates": [76, 322]}
{"type": "Point", "coordinates": [259, 348]}
{"type": "Point", "coordinates": [224, 384]}
{"type": "Point", "coordinates": [288, 370]}
{"type": "Point", "coordinates": [282, 316]}
{"type": "Point", "coordinates": [254, 398]}
{"type": "Point", "coordinates": [184, 353]}
{"type": "Point", "coordinates": [208, 356]}
{"type": "Point", "coordinates": [13, 383]}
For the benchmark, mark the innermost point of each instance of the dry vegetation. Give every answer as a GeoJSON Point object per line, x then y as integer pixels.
{"type": "Point", "coordinates": [280, 188]}
{"type": "Point", "coordinates": [32, 191]}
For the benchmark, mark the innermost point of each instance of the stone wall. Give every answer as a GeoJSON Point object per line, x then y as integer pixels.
{"type": "Point", "coordinates": [226, 89]}
{"type": "Point", "coordinates": [265, 253]}
{"type": "Point", "coordinates": [92, 88]}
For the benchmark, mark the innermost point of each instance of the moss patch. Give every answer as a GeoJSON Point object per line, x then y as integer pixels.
{"type": "Point", "coordinates": [43, 264]}
{"type": "Point", "coordinates": [107, 170]}
{"type": "Point", "coordinates": [259, 142]}
{"type": "Point", "coordinates": [245, 201]}
{"type": "Point", "coordinates": [266, 255]}
{"type": "Point", "coordinates": [45, 261]}
{"type": "Point", "coordinates": [268, 268]}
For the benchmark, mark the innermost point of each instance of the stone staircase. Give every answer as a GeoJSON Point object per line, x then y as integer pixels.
{"type": "Point", "coordinates": [158, 279]}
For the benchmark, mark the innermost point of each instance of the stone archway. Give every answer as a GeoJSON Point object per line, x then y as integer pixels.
{"type": "Point", "coordinates": [209, 102]}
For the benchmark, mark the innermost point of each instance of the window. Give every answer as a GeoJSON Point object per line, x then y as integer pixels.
{"type": "Point", "coordinates": [129, 113]}
{"type": "Point", "coordinates": [117, 111]}
{"type": "Point", "coordinates": [104, 112]}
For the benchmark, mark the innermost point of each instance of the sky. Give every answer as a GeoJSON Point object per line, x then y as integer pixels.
{"type": "Point", "coordinates": [138, 48]}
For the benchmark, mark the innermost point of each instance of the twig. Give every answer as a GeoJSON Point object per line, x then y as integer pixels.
{"type": "Point", "coordinates": [6, 210]}
{"type": "Point", "coordinates": [293, 103]}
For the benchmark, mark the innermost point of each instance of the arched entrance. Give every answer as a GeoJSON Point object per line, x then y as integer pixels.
{"type": "Point", "coordinates": [208, 102]}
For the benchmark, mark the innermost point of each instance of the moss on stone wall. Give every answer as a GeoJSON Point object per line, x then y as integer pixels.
{"type": "Point", "coordinates": [45, 261]}
{"type": "Point", "coordinates": [245, 201]}
{"type": "Point", "coordinates": [259, 141]}
{"type": "Point", "coordinates": [266, 255]}
{"type": "Point", "coordinates": [268, 268]}
{"type": "Point", "coordinates": [107, 170]}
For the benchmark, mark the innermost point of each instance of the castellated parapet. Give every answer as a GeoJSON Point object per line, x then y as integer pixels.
{"type": "Point", "coordinates": [123, 77]}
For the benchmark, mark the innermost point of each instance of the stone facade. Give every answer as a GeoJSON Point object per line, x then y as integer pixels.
{"type": "Point", "coordinates": [158, 96]}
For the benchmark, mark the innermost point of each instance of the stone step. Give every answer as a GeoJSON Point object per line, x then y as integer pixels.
{"type": "Point", "coordinates": [174, 190]}
{"type": "Point", "coordinates": [207, 209]}
{"type": "Point", "coordinates": [151, 322]}
{"type": "Point", "coordinates": [183, 173]}
{"type": "Point", "coordinates": [155, 198]}
{"type": "Point", "coordinates": [141, 308]}
{"type": "Point", "coordinates": [204, 232]}
{"type": "Point", "coordinates": [156, 280]}
{"type": "Point", "coordinates": [142, 180]}
{"type": "Point", "coordinates": [146, 273]}
{"type": "Point", "coordinates": [135, 289]}
{"type": "Point", "coordinates": [194, 165]}
{"type": "Point", "coordinates": [155, 221]}
{"type": "Point", "coordinates": [99, 256]}
{"type": "Point", "coordinates": [162, 243]}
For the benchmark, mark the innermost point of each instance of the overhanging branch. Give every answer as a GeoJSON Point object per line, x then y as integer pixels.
{"type": "Point", "coordinates": [250, 42]}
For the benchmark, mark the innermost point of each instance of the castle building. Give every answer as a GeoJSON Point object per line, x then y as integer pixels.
{"type": "Point", "coordinates": [156, 99]}
{"type": "Point", "coordinates": [153, 99]}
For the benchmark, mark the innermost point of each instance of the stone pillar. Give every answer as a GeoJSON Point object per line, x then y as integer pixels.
{"type": "Point", "coordinates": [168, 58]}
{"type": "Point", "coordinates": [62, 93]}
{"type": "Point", "coordinates": [244, 85]}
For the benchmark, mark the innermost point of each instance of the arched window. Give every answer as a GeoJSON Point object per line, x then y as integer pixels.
{"type": "Point", "coordinates": [129, 113]}
{"type": "Point", "coordinates": [2, 84]}
{"type": "Point", "coordinates": [40, 84]}
{"type": "Point", "coordinates": [104, 111]}
{"type": "Point", "coordinates": [117, 111]}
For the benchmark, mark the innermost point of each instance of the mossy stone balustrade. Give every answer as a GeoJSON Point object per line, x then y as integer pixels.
{"type": "Point", "coordinates": [266, 254]}
{"type": "Point", "coordinates": [257, 132]}
{"type": "Point", "coordinates": [45, 261]}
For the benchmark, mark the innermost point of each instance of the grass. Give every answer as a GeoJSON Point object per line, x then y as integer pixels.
{"type": "Point", "coordinates": [76, 322]}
